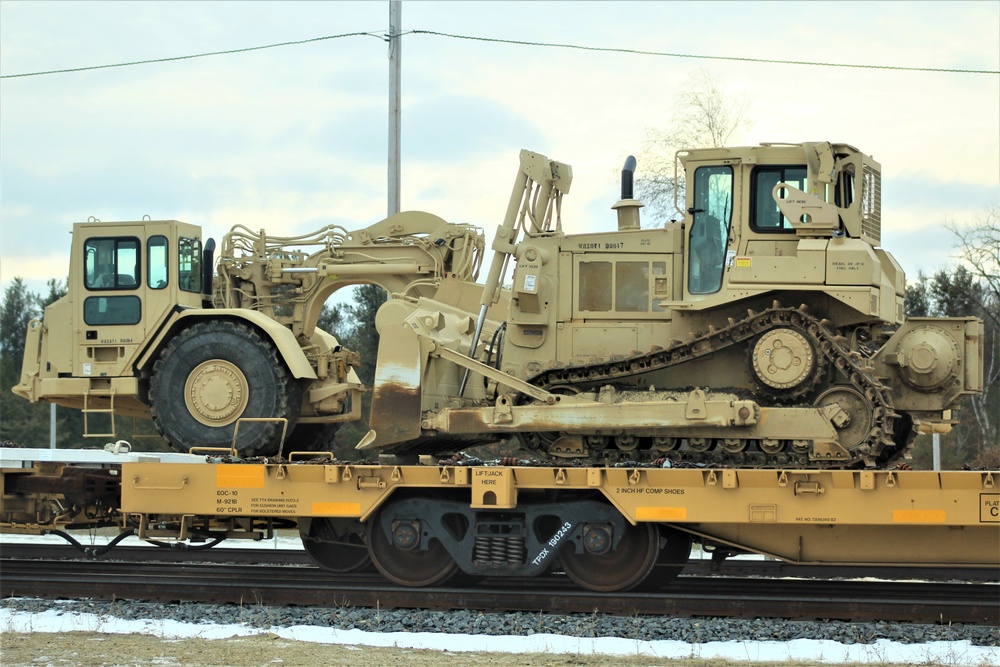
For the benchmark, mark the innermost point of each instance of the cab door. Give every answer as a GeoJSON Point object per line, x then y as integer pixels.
{"type": "Point", "coordinates": [134, 276]}
{"type": "Point", "coordinates": [111, 307]}
{"type": "Point", "coordinates": [711, 210]}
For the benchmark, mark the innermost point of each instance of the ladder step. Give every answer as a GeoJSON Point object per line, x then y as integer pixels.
{"type": "Point", "coordinates": [110, 410]}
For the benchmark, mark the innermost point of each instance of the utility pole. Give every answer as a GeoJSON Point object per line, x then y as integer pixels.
{"type": "Point", "coordinates": [395, 56]}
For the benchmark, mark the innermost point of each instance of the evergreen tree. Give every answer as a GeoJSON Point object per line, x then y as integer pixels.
{"type": "Point", "coordinates": [359, 335]}
{"type": "Point", "coordinates": [331, 320]}
{"type": "Point", "coordinates": [20, 421]}
{"type": "Point", "coordinates": [360, 318]}
{"type": "Point", "coordinates": [915, 299]}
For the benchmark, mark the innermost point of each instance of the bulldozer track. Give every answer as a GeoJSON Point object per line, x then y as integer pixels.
{"type": "Point", "coordinates": [878, 447]}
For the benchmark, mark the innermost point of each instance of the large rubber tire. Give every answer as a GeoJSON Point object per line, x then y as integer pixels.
{"type": "Point", "coordinates": [211, 375]}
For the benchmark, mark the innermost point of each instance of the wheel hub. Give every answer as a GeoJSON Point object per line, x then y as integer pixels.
{"type": "Point", "coordinates": [613, 569]}
{"type": "Point", "coordinates": [216, 393]}
{"type": "Point", "coordinates": [405, 535]}
{"type": "Point", "coordinates": [403, 556]}
{"type": "Point", "coordinates": [597, 539]}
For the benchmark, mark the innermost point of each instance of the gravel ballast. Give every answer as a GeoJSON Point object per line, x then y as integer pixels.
{"type": "Point", "coordinates": [643, 628]}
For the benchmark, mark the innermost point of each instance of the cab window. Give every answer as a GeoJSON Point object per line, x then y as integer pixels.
{"type": "Point", "coordinates": [595, 286]}
{"type": "Point", "coordinates": [844, 194]}
{"type": "Point", "coordinates": [157, 262]}
{"type": "Point", "coordinates": [189, 264]}
{"type": "Point", "coordinates": [765, 216]}
{"type": "Point", "coordinates": [712, 211]}
{"type": "Point", "coordinates": [111, 264]}
{"type": "Point", "coordinates": [111, 310]}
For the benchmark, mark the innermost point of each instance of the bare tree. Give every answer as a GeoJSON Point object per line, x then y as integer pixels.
{"type": "Point", "coordinates": [979, 248]}
{"type": "Point", "coordinates": [703, 117]}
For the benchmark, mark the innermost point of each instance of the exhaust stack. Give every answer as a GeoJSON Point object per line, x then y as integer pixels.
{"type": "Point", "coordinates": [627, 207]}
{"type": "Point", "coordinates": [207, 273]}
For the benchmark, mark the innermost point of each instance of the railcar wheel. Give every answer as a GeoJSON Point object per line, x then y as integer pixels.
{"type": "Point", "coordinates": [403, 561]}
{"type": "Point", "coordinates": [618, 569]}
{"type": "Point", "coordinates": [211, 375]}
{"type": "Point", "coordinates": [675, 549]}
{"type": "Point", "coordinates": [335, 545]}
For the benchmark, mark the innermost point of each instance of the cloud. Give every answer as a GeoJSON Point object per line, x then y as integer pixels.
{"type": "Point", "coordinates": [918, 192]}
{"type": "Point", "coordinates": [925, 249]}
{"type": "Point", "coordinates": [462, 128]}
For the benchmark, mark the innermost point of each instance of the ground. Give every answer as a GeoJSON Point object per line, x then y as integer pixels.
{"type": "Point", "coordinates": [88, 649]}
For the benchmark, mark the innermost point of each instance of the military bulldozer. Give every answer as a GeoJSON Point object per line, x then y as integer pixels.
{"type": "Point", "coordinates": [765, 327]}
{"type": "Point", "coordinates": [231, 357]}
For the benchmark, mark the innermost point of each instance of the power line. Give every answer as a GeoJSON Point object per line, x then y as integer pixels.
{"type": "Point", "coordinates": [495, 40]}
{"type": "Point", "coordinates": [579, 47]}
{"type": "Point", "coordinates": [194, 55]}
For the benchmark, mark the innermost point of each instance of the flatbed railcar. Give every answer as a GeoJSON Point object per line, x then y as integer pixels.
{"type": "Point", "coordinates": [430, 523]}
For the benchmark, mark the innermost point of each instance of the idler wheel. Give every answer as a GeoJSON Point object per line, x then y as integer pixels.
{"type": "Point", "coordinates": [782, 358]}
{"type": "Point", "coordinates": [856, 417]}
{"type": "Point", "coordinates": [600, 568]}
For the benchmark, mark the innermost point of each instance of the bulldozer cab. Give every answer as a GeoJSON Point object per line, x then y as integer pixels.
{"type": "Point", "coordinates": [787, 216]}
{"type": "Point", "coordinates": [125, 280]}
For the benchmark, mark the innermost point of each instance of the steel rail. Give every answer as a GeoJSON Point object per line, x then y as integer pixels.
{"type": "Point", "coordinates": [697, 566]}
{"type": "Point", "coordinates": [923, 602]}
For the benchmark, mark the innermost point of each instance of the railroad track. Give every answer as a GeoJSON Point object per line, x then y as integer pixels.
{"type": "Point", "coordinates": [305, 585]}
{"type": "Point", "coordinates": [697, 567]}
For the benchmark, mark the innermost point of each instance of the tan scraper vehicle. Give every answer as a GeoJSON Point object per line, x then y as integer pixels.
{"type": "Point", "coordinates": [147, 330]}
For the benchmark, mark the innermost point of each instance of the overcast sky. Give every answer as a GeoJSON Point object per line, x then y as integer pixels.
{"type": "Point", "coordinates": [293, 138]}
